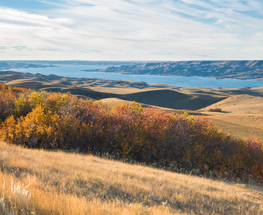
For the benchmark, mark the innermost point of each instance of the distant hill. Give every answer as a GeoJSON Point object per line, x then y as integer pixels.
{"type": "Point", "coordinates": [249, 69]}
{"type": "Point", "coordinates": [4, 65]}
{"type": "Point", "coordinates": [252, 69]}
{"type": "Point", "coordinates": [7, 65]}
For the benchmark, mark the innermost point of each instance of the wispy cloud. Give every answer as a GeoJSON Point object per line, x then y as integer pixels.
{"type": "Point", "coordinates": [17, 16]}
{"type": "Point", "coordinates": [135, 29]}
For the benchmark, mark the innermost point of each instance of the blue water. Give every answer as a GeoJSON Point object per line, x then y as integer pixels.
{"type": "Point", "coordinates": [179, 81]}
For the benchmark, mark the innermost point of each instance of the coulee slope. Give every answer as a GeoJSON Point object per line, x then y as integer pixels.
{"type": "Point", "coordinates": [217, 69]}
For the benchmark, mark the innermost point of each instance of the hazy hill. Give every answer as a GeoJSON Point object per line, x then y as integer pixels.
{"type": "Point", "coordinates": [218, 69]}
{"type": "Point", "coordinates": [252, 69]}
{"type": "Point", "coordinates": [20, 65]}
{"type": "Point", "coordinates": [6, 65]}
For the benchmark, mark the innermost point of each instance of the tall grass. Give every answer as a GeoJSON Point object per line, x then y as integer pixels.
{"type": "Point", "coordinates": [42, 182]}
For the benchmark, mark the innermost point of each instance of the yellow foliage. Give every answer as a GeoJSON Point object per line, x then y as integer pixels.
{"type": "Point", "coordinates": [136, 107]}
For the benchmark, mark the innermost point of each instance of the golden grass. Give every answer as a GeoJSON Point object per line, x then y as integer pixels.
{"type": "Point", "coordinates": [254, 121]}
{"type": "Point", "coordinates": [242, 115]}
{"type": "Point", "coordinates": [68, 183]}
{"type": "Point", "coordinates": [237, 127]}
{"type": "Point", "coordinates": [241, 104]}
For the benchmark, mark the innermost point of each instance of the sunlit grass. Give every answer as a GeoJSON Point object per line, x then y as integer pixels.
{"type": "Point", "coordinates": [68, 183]}
{"type": "Point", "coordinates": [240, 129]}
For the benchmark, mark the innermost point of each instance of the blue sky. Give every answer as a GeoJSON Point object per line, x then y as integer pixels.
{"type": "Point", "coordinates": [131, 29]}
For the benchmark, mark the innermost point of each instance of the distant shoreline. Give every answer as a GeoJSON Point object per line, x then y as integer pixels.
{"type": "Point", "coordinates": [144, 80]}
{"type": "Point", "coordinates": [236, 78]}
{"type": "Point", "coordinates": [240, 70]}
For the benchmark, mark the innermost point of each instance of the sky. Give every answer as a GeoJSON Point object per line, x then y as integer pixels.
{"type": "Point", "coordinates": [162, 30]}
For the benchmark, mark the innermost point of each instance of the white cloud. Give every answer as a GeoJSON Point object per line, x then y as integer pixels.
{"type": "Point", "coordinates": [259, 36]}
{"type": "Point", "coordinates": [133, 29]}
{"type": "Point", "coordinates": [12, 15]}
{"type": "Point", "coordinates": [219, 22]}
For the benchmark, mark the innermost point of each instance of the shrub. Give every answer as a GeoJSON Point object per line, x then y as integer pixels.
{"type": "Point", "coordinates": [8, 98]}
{"type": "Point", "coordinates": [215, 110]}
{"type": "Point", "coordinates": [149, 135]}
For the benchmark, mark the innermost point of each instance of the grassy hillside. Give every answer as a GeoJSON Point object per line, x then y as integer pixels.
{"type": "Point", "coordinates": [241, 114]}
{"type": "Point", "coordinates": [42, 182]}
{"type": "Point", "coordinates": [239, 128]}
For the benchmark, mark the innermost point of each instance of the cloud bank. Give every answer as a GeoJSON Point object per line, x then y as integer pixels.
{"type": "Point", "coordinates": [132, 30]}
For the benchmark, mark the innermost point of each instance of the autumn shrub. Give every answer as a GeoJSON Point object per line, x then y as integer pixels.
{"type": "Point", "coordinates": [8, 99]}
{"type": "Point", "coordinates": [148, 135]}
{"type": "Point", "coordinates": [215, 110]}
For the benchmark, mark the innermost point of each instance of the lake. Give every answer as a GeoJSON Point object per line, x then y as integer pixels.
{"type": "Point", "coordinates": [179, 81]}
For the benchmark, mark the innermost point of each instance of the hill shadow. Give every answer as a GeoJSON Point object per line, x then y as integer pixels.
{"type": "Point", "coordinates": [168, 99]}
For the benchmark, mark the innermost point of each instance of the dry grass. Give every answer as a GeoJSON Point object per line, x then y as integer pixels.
{"type": "Point", "coordinates": [68, 183]}
{"type": "Point", "coordinates": [238, 125]}
{"type": "Point", "coordinates": [240, 104]}
{"type": "Point", "coordinates": [242, 115]}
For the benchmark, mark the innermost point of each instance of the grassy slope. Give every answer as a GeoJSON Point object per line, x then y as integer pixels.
{"type": "Point", "coordinates": [242, 115]}
{"type": "Point", "coordinates": [76, 184]}
{"type": "Point", "coordinates": [237, 128]}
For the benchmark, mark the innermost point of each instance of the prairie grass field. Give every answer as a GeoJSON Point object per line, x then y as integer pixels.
{"type": "Point", "coordinates": [46, 182]}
